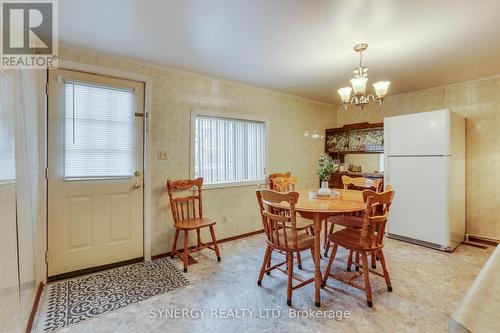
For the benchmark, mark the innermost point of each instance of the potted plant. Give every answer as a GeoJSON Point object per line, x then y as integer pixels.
{"type": "Point", "coordinates": [326, 167]}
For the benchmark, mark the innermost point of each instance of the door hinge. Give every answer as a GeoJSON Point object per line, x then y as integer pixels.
{"type": "Point", "coordinates": [47, 173]}
{"type": "Point", "coordinates": [46, 256]}
{"type": "Point", "coordinates": [46, 88]}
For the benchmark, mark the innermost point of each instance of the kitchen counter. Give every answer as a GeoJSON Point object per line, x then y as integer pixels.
{"type": "Point", "coordinates": [362, 174]}
{"type": "Point", "coordinates": [479, 309]}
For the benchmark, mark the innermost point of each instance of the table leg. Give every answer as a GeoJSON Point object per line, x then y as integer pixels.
{"type": "Point", "coordinates": [326, 234]}
{"type": "Point", "coordinates": [317, 258]}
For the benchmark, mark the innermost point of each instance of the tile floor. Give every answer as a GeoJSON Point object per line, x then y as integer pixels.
{"type": "Point", "coordinates": [427, 284]}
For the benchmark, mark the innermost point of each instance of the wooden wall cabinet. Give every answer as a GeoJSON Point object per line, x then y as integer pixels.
{"type": "Point", "coordinates": [360, 138]}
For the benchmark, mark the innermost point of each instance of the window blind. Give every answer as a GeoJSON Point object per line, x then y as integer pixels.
{"type": "Point", "coordinates": [99, 135]}
{"type": "Point", "coordinates": [229, 150]}
{"type": "Point", "coordinates": [7, 147]}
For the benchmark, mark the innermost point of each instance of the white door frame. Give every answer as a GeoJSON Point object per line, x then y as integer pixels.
{"type": "Point", "coordinates": [148, 83]}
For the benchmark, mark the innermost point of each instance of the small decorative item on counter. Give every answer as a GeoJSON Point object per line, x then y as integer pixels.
{"type": "Point", "coordinates": [374, 147]}
{"type": "Point", "coordinates": [354, 168]}
{"type": "Point", "coordinates": [326, 167]}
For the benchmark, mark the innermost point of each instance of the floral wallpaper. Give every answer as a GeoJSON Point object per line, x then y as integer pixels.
{"type": "Point", "coordinates": [174, 95]}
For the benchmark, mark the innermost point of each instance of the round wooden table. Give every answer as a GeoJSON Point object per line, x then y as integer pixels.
{"type": "Point", "coordinates": [318, 210]}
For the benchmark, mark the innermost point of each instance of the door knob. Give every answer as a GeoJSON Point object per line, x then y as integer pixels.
{"type": "Point", "coordinates": [137, 185]}
{"type": "Point", "coordinates": [137, 173]}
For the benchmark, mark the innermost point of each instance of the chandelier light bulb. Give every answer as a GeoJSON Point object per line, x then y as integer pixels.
{"type": "Point", "coordinates": [381, 88]}
{"type": "Point", "coordinates": [359, 85]}
{"type": "Point", "coordinates": [345, 94]}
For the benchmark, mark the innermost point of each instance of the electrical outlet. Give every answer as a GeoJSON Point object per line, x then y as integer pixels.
{"type": "Point", "coordinates": [162, 155]}
{"type": "Point", "coordinates": [224, 219]}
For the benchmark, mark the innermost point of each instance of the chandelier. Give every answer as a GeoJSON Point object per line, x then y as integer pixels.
{"type": "Point", "coordinates": [358, 83]}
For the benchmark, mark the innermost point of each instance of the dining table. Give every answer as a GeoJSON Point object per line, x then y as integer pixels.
{"type": "Point", "coordinates": [319, 209]}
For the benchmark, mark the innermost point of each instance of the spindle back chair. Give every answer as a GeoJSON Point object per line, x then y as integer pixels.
{"type": "Point", "coordinates": [361, 183]}
{"type": "Point", "coordinates": [187, 212]}
{"type": "Point", "coordinates": [365, 241]}
{"type": "Point", "coordinates": [282, 235]}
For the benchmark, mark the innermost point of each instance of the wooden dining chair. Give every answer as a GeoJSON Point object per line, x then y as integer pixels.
{"type": "Point", "coordinates": [368, 240]}
{"type": "Point", "coordinates": [356, 221]}
{"type": "Point", "coordinates": [187, 217]}
{"type": "Point", "coordinates": [361, 183]}
{"type": "Point", "coordinates": [282, 236]}
{"type": "Point", "coordinates": [353, 220]}
{"type": "Point", "coordinates": [282, 182]}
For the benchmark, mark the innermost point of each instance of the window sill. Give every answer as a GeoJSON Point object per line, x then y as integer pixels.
{"type": "Point", "coordinates": [234, 184]}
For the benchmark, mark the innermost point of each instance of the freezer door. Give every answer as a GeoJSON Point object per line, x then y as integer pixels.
{"type": "Point", "coordinates": [420, 207]}
{"type": "Point", "coordinates": [419, 134]}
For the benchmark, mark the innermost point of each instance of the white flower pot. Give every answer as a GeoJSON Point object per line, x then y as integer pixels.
{"type": "Point", "coordinates": [324, 190]}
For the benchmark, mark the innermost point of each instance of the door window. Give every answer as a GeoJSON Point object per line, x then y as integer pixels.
{"type": "Point", "coordinates": [99, 131]}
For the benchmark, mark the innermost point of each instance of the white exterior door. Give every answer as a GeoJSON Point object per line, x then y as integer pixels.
{"type": "Point", "coordinates": [95, 171]}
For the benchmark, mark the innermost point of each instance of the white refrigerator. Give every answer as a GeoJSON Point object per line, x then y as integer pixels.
{"type": "Point", "coordinates": [425, 163]}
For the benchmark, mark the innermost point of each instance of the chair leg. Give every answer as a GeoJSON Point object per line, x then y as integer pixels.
{"type": "Point", "coordinates": [330, 232]}
{"type": "Point", "coordinates": [366, 276]}
{"type": "Point", "coordinates": [373, 260]}
{"type": "Point", "coordinates": [349, 261]}
{"type": "Point", "coordinates": [174, 246]}
{"type": "Point", "coordinates": [267, 256]}
{"type": "Point", "coordinates": [198, 238]}
{"type": "Point", "coordinates": [216, 246]}
{"type": "Point", "coordinates": [186, 251]}
{"type": "Point", "coordinates": [299, 260]}
{"type": "Point", "coordinates": [311, 230]}
{"type": "Point", "coordinates": [312, 255]}
{"type": "Point", "coordinates": [357, 262]}
{"type": "Point", "coordinates": [268, 264]}
{"type": "Point", "coordinates": [329, 266]}
{"type": "Point", "coordinates": [289, 259]}
{"type": "Point", "coordinates": [386, 272]}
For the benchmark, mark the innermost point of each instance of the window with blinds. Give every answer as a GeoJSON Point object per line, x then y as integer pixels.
{"type": "Point", "coordinates": [98, 131]}
{"type": "Point", "coordinates": [229, 150]}
{"type": "Point", "coordinates": [7, 148]}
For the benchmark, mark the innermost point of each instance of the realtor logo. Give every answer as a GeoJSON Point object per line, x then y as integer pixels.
{"type": "Point", "coordinates": [29, 34]}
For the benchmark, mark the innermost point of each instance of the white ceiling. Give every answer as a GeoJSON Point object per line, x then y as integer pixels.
{"type": "Point", "coordinates": [303, 47]}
